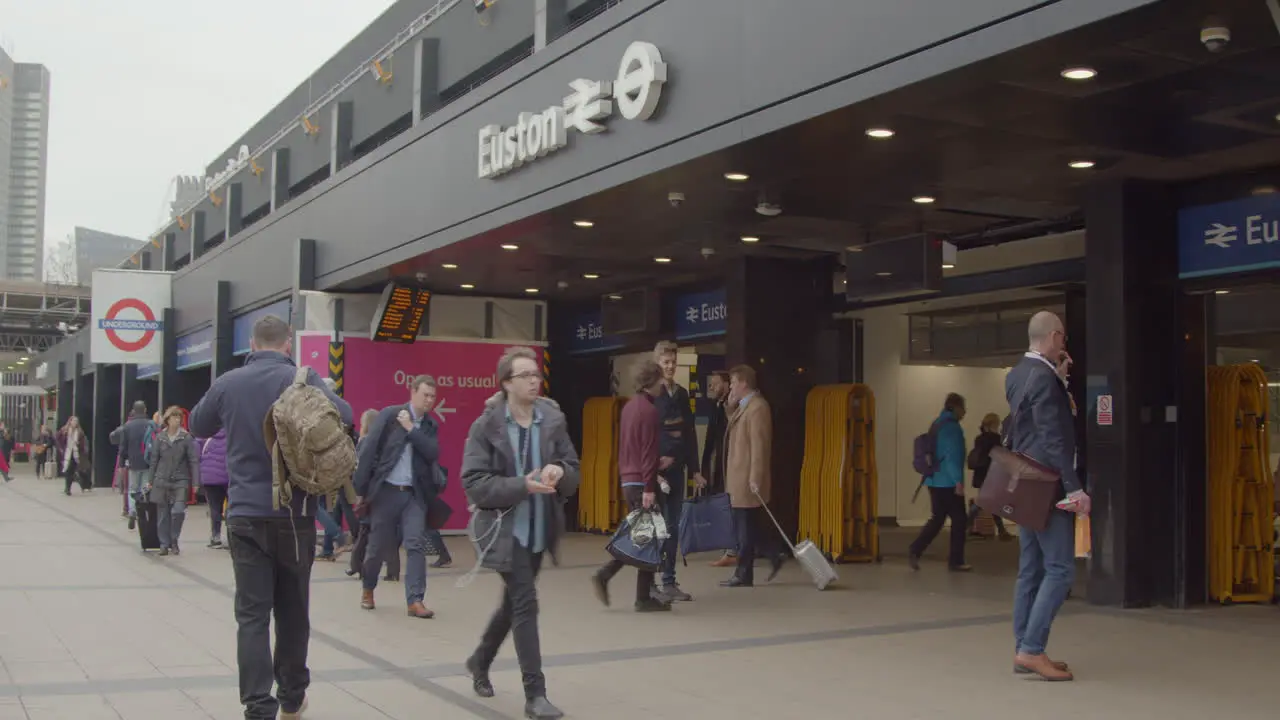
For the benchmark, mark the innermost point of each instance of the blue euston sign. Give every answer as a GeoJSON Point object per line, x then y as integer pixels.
{"type": "Point", "coordinates": [195, 349]}
{"type": "Point", "coordinates": [147, 372]}
{"type": "Point", "coordinates": [703, 314]}
{"type": "Point", "coordinates": [1229, 237]}
{"type": "Point", "coordinates": [588, 335]}
{"type": "Point", "coordinates": [242, 326]}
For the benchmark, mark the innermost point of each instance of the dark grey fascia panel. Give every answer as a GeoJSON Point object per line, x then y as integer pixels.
{"type": "Point", "coordinates": [734, 75]}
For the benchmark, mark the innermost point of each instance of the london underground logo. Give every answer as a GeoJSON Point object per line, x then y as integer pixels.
{"type": "Point", "coordinates": [113, 325]}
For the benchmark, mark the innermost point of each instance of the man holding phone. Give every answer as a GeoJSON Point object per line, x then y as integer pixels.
{"type": "Point", "coordinates": [1042, 426]}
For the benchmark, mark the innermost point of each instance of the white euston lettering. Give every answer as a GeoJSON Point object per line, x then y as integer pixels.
{"type": "Point", "coordinates": [1258, 231]}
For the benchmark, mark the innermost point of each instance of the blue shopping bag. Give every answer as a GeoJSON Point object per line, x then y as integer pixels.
{"type": "Point", "coordinates": [639, 550]}
{"type": "Point", "coordinates": [706, 524]}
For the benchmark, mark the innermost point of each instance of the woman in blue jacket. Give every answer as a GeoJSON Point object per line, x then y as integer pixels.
{"type": "Point", "coordinates": [946, 486]}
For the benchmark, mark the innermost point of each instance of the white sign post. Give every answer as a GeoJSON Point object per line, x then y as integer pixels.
{"type": "Point", "coordinates": [128, 312]}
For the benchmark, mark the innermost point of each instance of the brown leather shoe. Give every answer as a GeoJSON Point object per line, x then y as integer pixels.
{"type": "Point", "coordinates": [1044, 667]}
{"type": "Point", "coordinates": [366, 600]}
{"type": "Point", "coordinates": [420, 611]}
{"type": "Point", "coordinates": [725, 561]}
{"type": "Point", "coordinates": [1018, 669]}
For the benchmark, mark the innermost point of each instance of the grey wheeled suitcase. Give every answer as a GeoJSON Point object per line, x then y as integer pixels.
{"type": "Point", "coordinates": [810, 557]}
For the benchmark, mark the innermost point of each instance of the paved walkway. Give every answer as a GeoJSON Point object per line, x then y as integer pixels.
{"type": "Point", "coordinates": [90, 628]}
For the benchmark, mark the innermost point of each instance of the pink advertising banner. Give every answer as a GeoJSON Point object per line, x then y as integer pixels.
{"type": "Point", "coordinates": [378, 376]}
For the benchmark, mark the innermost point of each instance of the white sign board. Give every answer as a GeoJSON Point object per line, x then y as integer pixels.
{"type": "Point", "coordinates": [1104, 410]}
{"type": "Point", "coordinates": [635, 91]}
{"type": "Point", "coordinates": [128, 312]}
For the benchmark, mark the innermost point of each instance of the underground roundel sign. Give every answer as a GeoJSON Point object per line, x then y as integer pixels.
{"type": "Point", "coordinates": [130, 325]}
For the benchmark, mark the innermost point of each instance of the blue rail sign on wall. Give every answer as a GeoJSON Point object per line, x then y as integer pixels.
{"type": "Point", "coordinates": [195, 349]}
{"type": "Point", "coordinates": [242, 326]}
{"type": "Point", "coordinates": [1229, 237]}
{"type": "Point", "coordinates": [588, 335]}
{"type": "Point", "coordinates": [702, 314]}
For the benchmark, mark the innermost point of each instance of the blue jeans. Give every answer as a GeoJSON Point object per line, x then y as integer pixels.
{"type": "Point", "coordinates": [332, 530]}
{"type": "Point", "coordinates": [1046, 570]}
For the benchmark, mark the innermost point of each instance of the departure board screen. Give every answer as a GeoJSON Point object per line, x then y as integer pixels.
{"type": "Point", "coordinates": [400, 313]}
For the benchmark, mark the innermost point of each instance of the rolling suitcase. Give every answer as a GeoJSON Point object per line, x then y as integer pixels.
{"type": "Point", "coordinates": [148, 534]}
{"type": "Point", "coordinates": [814, 562]}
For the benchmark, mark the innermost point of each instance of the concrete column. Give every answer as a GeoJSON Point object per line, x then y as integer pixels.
{"type": "Point", "coordinates": [279, 178]}
{"type": "Point", "coordinates": [234, 205]}
{"type": "Point", "coordinates": [222, 323]}
{"type": "Point", "coordinates": [550, 20]}
{"type": "Point", "coordinates": [426, 78]}
{"type": "Point", "coordinates": [342, 117]}
{"type": "Point", "coordinates": [197, 234]}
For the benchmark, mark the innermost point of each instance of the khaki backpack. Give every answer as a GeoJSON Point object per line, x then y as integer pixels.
{"type": "Point", "coordinates": [310, 448]}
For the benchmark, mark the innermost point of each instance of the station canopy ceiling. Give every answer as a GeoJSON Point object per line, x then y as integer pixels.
{"type": "Point", "coordinates": [993, 143]}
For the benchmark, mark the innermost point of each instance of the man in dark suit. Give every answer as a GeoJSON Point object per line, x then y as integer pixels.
{"type": "Point", "coordinates": [1041, 426]}
{"type": "Point", "coordinates": [396, 478]}
{"type": "Point", "coordinates": [713, 447]}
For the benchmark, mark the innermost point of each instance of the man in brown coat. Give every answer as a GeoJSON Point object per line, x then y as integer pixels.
{"type": "Point", "coordinates": [748, 478]}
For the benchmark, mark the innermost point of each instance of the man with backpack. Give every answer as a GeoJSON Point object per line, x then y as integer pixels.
{"type": "Point", "coordinates": [271, 530]}
{"type": "Point", "coordinates": [134, 440]}
{"type": "Point", "coordinates": [940, 457]}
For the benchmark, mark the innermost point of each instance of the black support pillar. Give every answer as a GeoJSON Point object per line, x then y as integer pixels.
{"type": "Point", "coordinates": [426, 78]}
{"type": "Point", "coordinates": [222, 340]}
{"type": "Point", "coordinates": [65, 395]}
{"type": "Point", "coordinates": [81, 400]}
{"type": "Point", "coordinates": [235, 209]}
{"type": "Point", "coordinates": [304, 278]}
{"type": "Point", "coordinates": [1133, 344]}
{"type": "Point", "coordinates": [168, 250]}
{"type": "Point", "coordinates": [279, 178]}
{"type": "Point", "coordinates": [197, 234]}
{"type": "Point", "coordinates": [106, 417]}
{"type": "Point", "coordinates": [550, 20]}
{"type": "Point", "coordinates": [130, 389]}
{"type": "Point", "coordinates": [169, 377]}
{"type": "Point", "coordinates": [781, 340]}
{"type": "Point", "coordinates": [144, 260]}
{"type": "Point", "coordinates": [343, 116]}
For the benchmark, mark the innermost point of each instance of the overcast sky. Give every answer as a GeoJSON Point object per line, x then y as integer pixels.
{"type": "Point", "coordinates": [144, 90]}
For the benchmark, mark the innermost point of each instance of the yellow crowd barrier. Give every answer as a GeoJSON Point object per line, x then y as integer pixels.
{"type": "Point", "coordinates": [838, 506]}
{"type": "Point", "coordinates": [600, 506]}
{"type": "Point", "coordinates": [1240, 486]}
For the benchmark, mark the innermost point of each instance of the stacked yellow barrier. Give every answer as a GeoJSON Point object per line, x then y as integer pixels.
{"type": "Point", "coordinates": [838, 479]}
{"type": "Point", "coordinates": [1240, 486]}
{"type": "Point", "coordinates": [600, 507]}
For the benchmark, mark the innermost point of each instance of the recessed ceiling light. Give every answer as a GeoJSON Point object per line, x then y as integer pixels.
{"type": "Point", "coordinates": [449, 266]}
{"type": "Point", "coordinates": [1264, 190]}
{"type": "Point", "coordinates": [883, 274]}
{"type": "Point", "coordinates": [1081, 164]}
{"type": "Point", "coordinates": [923, 199]}
{"type": "Point", "coordinates": [948, 266]}
{"type": "Point", "coordinates": [590, 276]}
{"type": "Point", "coordinates": [1079, 73]}
{"type": "Point", "coordinates": [854, 248]}
{"type": "Point", "coordinates": [750, 239]}
{"type": "Point", "coordinates": [615, 297]}
{"type": "Point", "coordinates": [584, 223]}
{"type": "Point", "coordinates": [662, 259]}
{"type": "Point", "coordinates": [531, 291]}
{"type": "Point", "coordinates": [1221, 292]}
{"type": "Point", "coordinates": [467, 286]}
{"type": "Point", "coordinates": [736, 176]}
{"type": "Point", "coordinates": [879, 133]}
{"type": "Point", "coordinates": [509, 246]}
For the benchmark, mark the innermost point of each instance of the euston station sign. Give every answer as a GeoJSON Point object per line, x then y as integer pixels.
{"type": "Point", "coordinates": [636, 91]}
{"type": "Point", "coordinates": [1229, 237]}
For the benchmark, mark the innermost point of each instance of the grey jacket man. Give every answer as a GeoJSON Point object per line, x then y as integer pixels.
{"type": "Point", "coordinates": [493, 486]}
{"type": "Point", "coordinates": [1041, 424]}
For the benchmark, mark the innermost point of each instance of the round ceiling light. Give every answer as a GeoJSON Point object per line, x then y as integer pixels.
{"type": "Point", "coordinates": [923, 199]}
{"type": "Point", "coordinates": [1081, 164]}
{"type": "Point", "coordinates": [1079, 73]}
{"type": "Point", "coordinates": [509, 246]}
{"type": "Point", "coordinates": [662, 259]}
{"type": "Point", "coordinates": [880, 133]}
{"type": "Point", "coordinates": [737, 176]}
{"type": "Point", "coordinates": [590, 276]}
{"type": "Point", "coordinates": [584, 223]}
{"type": "Point", "coordinates": [750, 239]}
{"type": "Point", "coordinates": [449, 266]}
{"type": "Point", "coordinates": [467, 286]}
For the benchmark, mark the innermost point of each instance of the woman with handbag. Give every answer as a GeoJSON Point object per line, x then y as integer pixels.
{"type": "Point", "coordinates": [361, 547]}
{"type": "Point", "coordinates": [979, 461]}
{"type": "Point", "coordinates": [518, 468]}
{"type": "Point", "coordinates": [46, 453]}
{"type": "Point", "coordinates": [74, 447]}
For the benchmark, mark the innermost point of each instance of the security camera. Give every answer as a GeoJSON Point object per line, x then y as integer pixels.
{"type": "Point", "coordinates": [708, 252]}
{"type": "Point", "coordinates": [676, 199]}
{"type": "Point", "coordinates": [562, 284]}
{"type": "Point", "coordinates": [1215, 35]}
{"type": "Point", "coordinates": [421, 277]}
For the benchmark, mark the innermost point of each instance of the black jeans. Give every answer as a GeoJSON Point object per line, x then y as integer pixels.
{"type": "Point", "coordinates": [634, 495]}
{"type": "Point", "coordinates": [745, 525]}
{"type": "Point", "coordinates": [517, 615]}
{"type": "Point", "coordinates": [945, 504]}
{"type": "Point", "coordinates": [215, 495]}
{"type": "Point", "coordinates": [272, 560]}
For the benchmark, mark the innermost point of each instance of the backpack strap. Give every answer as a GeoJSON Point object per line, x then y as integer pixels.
{"type": "Point", "coordinates": [300, 376]}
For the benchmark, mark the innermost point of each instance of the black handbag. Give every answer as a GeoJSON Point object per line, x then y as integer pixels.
{"type": "Point", "coordinates": [438, 511]}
